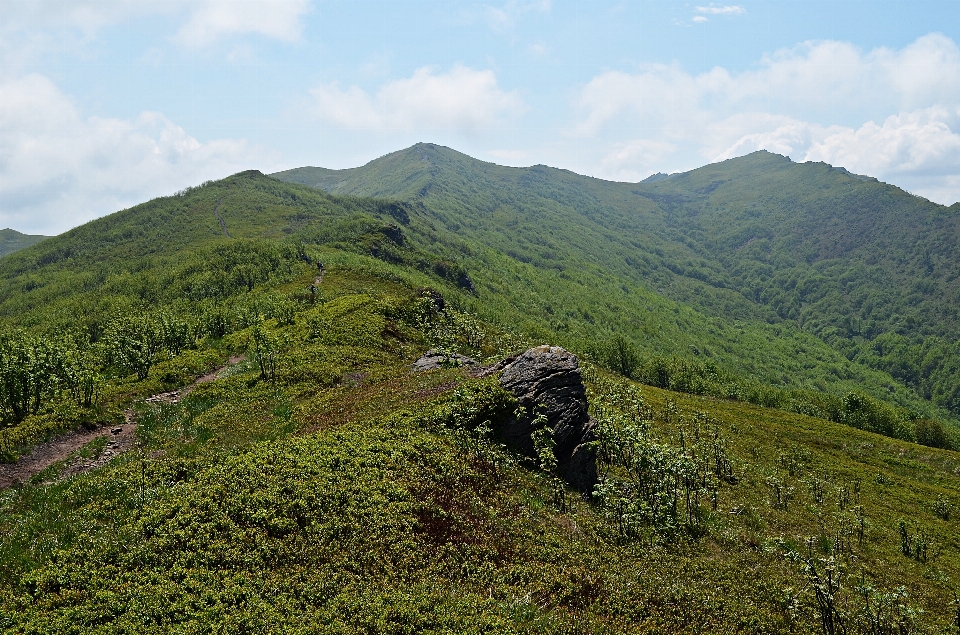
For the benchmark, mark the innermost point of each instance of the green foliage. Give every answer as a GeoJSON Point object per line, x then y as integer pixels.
{"type": "Point", "coordinates": [30, 372]}
{"type": "Point", "coordinates": [797, 275]}
{"type": "Point", "coordinates": [266, 350]}
{"type": "Point", "coordinates": [347, 494]}
{"type": "Point", "coordinates": [649, 483]}
{"type": "Point", "coordinates": [11, 241]}
{"type": "Point", "coordinates": [132, 344]}
{"type": "Point", "coordinates": [621, 355]}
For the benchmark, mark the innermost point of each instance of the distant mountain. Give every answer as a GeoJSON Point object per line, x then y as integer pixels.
{"type": "Point", "coordinates": [869, 269]}
{"type": "Point", "coordinates": [12, 240]}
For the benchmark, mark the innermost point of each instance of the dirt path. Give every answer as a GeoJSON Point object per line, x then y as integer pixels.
{"type": "Point", "coordinates": [122, 438]}
{"type": "Point", "coordinates": [223, 223]}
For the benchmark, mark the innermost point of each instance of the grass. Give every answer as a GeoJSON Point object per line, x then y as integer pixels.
{"type": "Point", "coordinates": [321, 486]}
{"type": "Point", "coordinates": [342, 498]}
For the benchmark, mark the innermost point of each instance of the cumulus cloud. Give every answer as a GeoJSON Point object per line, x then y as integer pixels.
{"type": "Point", "coordinates": [807, 102]}
{"type": "Point", "coordinates": [636, 159]}
{"type": "Point", "coordinates": [462, 100]}
{"type": "Point", "coordinates": [924, 142]}
{"type": "Point", "coordinates": [59, 169]}
{"type": "Point", "coordinates": [85, 15]}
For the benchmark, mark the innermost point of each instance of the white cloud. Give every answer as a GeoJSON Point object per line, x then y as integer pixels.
{"type": "Point", "coordinates": [462, 99]}
{"type": "Point", "coordinates": [205, 21]}
{"type": "Point", "coordinates": [919, 150]}
{"type": "Point", "coordinates": [59, 169]}
{"type": "Point", "coordinates": [808, 102]}
{"type": "Point", "coordinates": [636, 159]}
{"type": "Point", "coordinates": [721, 10]}
{"type": "Point", "coordinates": [919, 142]}
{"type": "Point", "coordinates": [212, 19]}
{"type": "Point", "coordinates": [700, 18]}
{"type": "Point", "coordinates": [87, 16]}
{"type": "Point", "coordinates": [511, 157]}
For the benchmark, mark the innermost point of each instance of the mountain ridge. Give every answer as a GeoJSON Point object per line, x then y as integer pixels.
{"type": "Point", "coordinates": [808, 243]}
{"type": "Point", "coordinates": [319, 483]}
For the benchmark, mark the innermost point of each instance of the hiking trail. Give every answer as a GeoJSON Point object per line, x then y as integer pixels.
{"type": "Point", "coordinates": [122, 439]}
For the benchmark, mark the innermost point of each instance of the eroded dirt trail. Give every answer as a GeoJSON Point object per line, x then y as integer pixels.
{"type": "Point", "coordinates": [122, 439]}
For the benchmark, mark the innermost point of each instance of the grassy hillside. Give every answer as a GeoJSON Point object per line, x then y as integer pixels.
{"type": "Point", "coordinates": [320, 486]}
{"type": "Point", "coordinates": [782, 250]}
{"type": "Point", "coordinates": [12, 240]}
{"type": "Point", "coordinates": [344, 494]}
{"type": "Point", "coordinates": [554, 274]}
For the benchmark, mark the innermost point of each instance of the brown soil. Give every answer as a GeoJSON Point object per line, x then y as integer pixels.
{"type": "Point", "coordinates": [122, 438]}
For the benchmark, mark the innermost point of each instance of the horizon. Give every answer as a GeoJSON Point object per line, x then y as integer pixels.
{"type": "Point", "coordinates": [106, 105]}
{"type": "Point", "coordinates": [518, 167]}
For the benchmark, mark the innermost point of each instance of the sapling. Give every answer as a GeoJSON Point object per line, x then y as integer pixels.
{"type": "Point", "coordinates": [942, 507]}
{"type": "Point", "coordinates": [544, 444]}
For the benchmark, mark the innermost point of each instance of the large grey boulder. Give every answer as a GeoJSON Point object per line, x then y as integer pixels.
{"type": "Point", "coordinates": [547, 380]}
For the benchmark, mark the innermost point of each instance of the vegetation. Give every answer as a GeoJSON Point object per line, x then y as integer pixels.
{"type": "Point", "coordinates": [11, 241]}
{"type": "Point", "coordinates": [797, 275]}
{"type": "Point", "coordinates": [753, 476]}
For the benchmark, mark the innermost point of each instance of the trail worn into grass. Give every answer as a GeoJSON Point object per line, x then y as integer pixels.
{"type": "Point", "coordinates": [223, 223]}
{"type": "Point", "coordinates": [122, 439]}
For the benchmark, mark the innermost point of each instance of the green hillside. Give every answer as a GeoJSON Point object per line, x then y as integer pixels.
{"type": "Point", "coordinates": [12, 240]}
{"type": "Point", "coordinates": [784, 250]}
{"type": "Point", "coordinates": [559, 271]}
{"type": "Point", "coordinates": [749, 479]}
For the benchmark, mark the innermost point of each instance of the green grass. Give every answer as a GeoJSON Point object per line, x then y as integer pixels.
{"type": "Point", "coordinates": [800, 275]}
{"type": "Point", "coordinates": [320, 486]}
{"type": "Point", "coordinates": [343, 497]}
{"type": "Point", "coordinates": [11, 241]}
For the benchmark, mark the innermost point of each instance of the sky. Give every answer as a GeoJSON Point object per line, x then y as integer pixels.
{"type": "Point", "coordinates": [108, 103]}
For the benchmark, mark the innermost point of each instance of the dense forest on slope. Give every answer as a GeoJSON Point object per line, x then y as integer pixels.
{"type": "Point", "coordinates": [12, 240]}
{"type": "Point", "coordinates": [317, 484]}
{"type": "Point", "coordinates": [870, 270]}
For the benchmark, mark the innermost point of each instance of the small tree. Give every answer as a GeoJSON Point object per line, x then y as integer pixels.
{"type": "Point", "coordinates": [266, 349]}
{"type": "Point", "coordinates": [622, 356]}
{"type": "Point", "coordinates": [132, 343]}
{"type": "Point", "coordinates": [544, 445]}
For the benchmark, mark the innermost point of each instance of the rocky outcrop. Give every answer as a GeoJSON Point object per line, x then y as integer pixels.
{"type": "Point", "coordinates": [547, 380]}
{"type": "Point", "coordinates": [433, 359]}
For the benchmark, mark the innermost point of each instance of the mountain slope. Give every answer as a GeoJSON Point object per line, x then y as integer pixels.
{"type": "Point", "coordinates": [12, 240]}
{"type": "Point", "coordinates": [319, 485]}
{"type": "Point", "coordinates": [867, 268]}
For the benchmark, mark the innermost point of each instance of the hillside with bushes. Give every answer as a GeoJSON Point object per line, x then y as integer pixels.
{"type": "Point", "coordinates": [758, 471]}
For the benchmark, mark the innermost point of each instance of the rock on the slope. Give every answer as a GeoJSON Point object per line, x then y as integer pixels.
{"type": "Point", "coordinates": [438, 359]}
{"type": "Point", "coordinates": [547, 380]}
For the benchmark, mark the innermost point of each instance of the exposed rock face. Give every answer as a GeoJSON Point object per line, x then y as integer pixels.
{"type": "Point", "coordinates": [547, 380]}
{"type": "Point", "coordinates": [436, 359]}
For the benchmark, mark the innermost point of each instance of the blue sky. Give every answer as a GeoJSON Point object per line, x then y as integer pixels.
{"type": "Point", "coordinates": [107, 103]}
